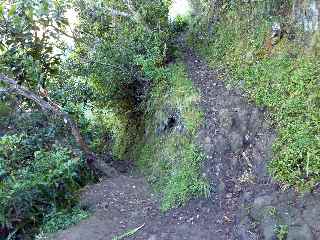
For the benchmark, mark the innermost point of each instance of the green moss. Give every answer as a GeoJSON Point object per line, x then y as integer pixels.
{"type": "Point", "coordinates": [286, 81]}
{"type": "Point", "coordinates": [171, 160]}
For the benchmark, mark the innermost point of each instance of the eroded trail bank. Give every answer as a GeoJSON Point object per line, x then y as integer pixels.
{"type": "Point", "coordinates": [237, 138]}
{"type": "Point", "coordinates": [243, 204]}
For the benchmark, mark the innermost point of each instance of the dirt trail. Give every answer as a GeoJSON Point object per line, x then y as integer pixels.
{"type": "Point", "coordinates": [237, 141]}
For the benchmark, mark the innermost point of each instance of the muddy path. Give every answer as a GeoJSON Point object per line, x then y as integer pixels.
{"type": "Point", "coordinates": [244, 203]}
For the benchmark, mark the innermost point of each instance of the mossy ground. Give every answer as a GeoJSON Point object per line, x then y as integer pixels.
{"type": "Point", "coordinates": [171, 160]}
{"type": "Point", "coordinates": [286, 81]}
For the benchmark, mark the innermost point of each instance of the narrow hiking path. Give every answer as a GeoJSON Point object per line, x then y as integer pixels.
{"type": "Point", "coordinates": [244, 202]}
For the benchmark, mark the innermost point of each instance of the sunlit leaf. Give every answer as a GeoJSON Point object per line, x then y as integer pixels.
{"type": "Point", "coordinates": [12, 10]}
{"type": "Point", "coordinates": [1, 8]}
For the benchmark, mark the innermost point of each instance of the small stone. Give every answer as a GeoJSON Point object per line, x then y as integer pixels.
{"type": "Point", "coordinates": [221, 187]}
{"type": "Point", "coordinates": [229, 195]}
{"type": "Point", "coordinates": [207, 140]}
{"type": "Point", "coordinates": [225, 118]}
{"type": "Point", "coordinates": [262, 201]}
{"type": "Point", "coordinates": [269, 227]}
{"type": "Point", "coordinates": [236, 141]}
{"type": "Point", "coordinates": [152, 237]}
{"type": "Point", "coordinates": [190, 219]}
{"type": "Point", "coordinates": [227, 219]}
{"type": "Point", "coordinates": [300, 232]}
{"type": "Point", "coordinates": [247, 138]}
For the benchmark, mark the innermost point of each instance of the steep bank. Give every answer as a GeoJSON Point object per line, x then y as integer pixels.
{"type": "Point", "coordinates": [269, 50]}
{"type": "Point", "coordinates": [238, 138]}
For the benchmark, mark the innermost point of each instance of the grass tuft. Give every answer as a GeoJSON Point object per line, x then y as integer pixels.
{"type": "Point", "coordinates": [61, 220]}
{"type": "Point", "coordinates": [171, 159]}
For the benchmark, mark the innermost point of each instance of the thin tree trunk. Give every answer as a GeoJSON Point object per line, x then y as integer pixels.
{"type": "Point", "coordinates": [49, 106]}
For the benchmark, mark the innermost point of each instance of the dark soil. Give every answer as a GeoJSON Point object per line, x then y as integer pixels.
{"type": "Point", "coordinates": [244, 203]}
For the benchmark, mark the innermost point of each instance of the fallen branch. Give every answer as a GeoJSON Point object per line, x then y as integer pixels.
{"type": "Point", "coordinates": [49, 106]}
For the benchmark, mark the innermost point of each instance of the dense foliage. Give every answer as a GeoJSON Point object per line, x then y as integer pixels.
{"type": "Point", "coordinates": [113, 68]}
{"type": "Point", "coordinates": [47, 184]}
{"type": "Point", "coordinates": [117, 54]}
{"type": "Point", "coordinates": [97, 71]}
{"type": "Point", "coordinates": [112, 78]}
{"type": "Point", "coordinates": [28, 35]}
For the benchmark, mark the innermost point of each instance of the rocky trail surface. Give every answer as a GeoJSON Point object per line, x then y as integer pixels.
{"type": "Point", "coordinates": [244, 203]}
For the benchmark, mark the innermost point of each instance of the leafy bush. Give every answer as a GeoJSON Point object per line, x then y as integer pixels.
{"type": "Point", "coordinates": [50, 182]}
{"type": "Point", "coordinates": [117, 59]}
{"type": "Point", "coordinates": [26, 55]}
{"type": "Point", "coordinates": [286, 81]}
{"type": "Point", "coordinates": [108, 131]}
{"type": "Point", "coordinates": [180, 24]}
{"type": "Point", "coordinates": [60, 220]}
{"type": "Point", "coordinates": [27, 133]}
{"type": "Point", "coordinates": [13, 154]}
{"type": "Point", "coordinates": [113, 56]}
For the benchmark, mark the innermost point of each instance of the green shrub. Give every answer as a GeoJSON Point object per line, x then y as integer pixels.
{"type": "Point", "coordinates": [14, 154]}
{"type": "Point", "coordinates": [114, 59]}
{"type": "Point", "coordinates": [180, 24]}
{"type": "Point", "coordinates": [4, 112]}
{"type": "Point", "coordinates": [60, 220]}
{"type": "Point", "coordinates": [28, 132]}
{"type": "Point", "coordinates": [49, 183]}
{"type": "Point", "coordinates": [109, 131]}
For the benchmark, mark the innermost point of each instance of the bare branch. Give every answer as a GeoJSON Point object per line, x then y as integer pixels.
{"type": "Point", "coordinates": [50, 106]}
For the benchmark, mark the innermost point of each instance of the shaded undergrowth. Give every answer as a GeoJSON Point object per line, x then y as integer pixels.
{"type": "Point", "coordinates": [166, 151]}
{"type": "Point", "coordinates": [40, 174]}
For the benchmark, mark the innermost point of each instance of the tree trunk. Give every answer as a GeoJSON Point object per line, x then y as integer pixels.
{"type": "Point", "coordinates": [49, 106]}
